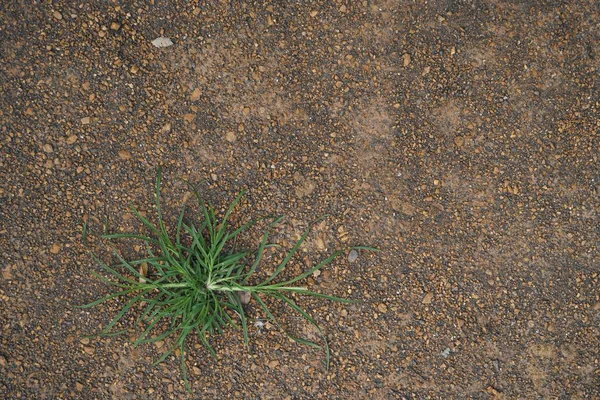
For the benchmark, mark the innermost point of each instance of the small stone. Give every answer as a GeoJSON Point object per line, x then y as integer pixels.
{"type": "Point", "coordinates": [159, 344]}
{"type": "Point", "coordinates": [244, 297]}
{"type": "Point", "coordinates": [313, 13]}
{"type": "Point", "coordinates": [196, 370]}
{"type": "Point", "coordinates": [189, 117]}
{"type": "Point", "coordinates": [446, 352]}
{"type": "Point", "coordinates": [78, 386]}
{"type": "Point", "coordinates": [48, 148]}
{"type": "Point", "coordinates": [55, 248]}
{"type": "Point", "coordinates": [124, 154]}
{"type": "Point", "coordinates": [459, 141]}
{"type": "Point", "coordinates": [71, 139]}
{"type": "Point", "coordinates": [86, 120]}
{"type": "Point", "coordinates": [57, 15]}
{"type": "Point", "coordinates": [496, 364]}
{"type": "Point", "coordinates": [166, 128]}
{"type": "Point", "coordinates": [273, 364]}
{"type": "Point", "coordinates": [382, 308]}
{"type": "Point", "coordinates": [343, 8]}
{"type": "Point", "coordinates": [3, 361]}
{"type": "Point", "coordinates": [230, 137]}
{"type": "Point", "coordinates": [89, 350]}
{"type": "Point", "coordinates": [115, 26]}
{"type": "Point", "coordinates": [195, 94]}
{"type": "Point", "coordinates": [85, 341]}
{"type": "Point", "coordinates": [427, 299]}
{"type": "Point", "coordinates": [134, 69]}
{"type": "Point", "coordinates": [408, 209]}
{"type": "Point", "coordinates": [353, 255]}
{"type": "Point", "coordinates": [162, 42]}
{"type": "Point", "coordinates": [406, 58]}
{"type": "Point", "coordinates": [85, 85]}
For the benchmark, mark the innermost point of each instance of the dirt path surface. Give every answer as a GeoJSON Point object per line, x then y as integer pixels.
{"type": "Point", "coordinates": [460, 137]}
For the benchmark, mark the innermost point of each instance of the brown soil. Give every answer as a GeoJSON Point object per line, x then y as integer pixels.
{"type": "Point", "coordinates": [459, 137]}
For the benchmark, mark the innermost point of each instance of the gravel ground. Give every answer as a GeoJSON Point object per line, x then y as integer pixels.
{"type": "Point", "coordinates": [460, 137]}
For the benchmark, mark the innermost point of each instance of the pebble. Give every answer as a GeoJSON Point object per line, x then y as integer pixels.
{"type": "Point", "coordinates": [124, 154]}
{"type": "Point", "coordinates": [189, 117]}
{"type": "Point", "coordinates": [195, 94]}
{"type": "Point", "coordinates": [353, 255]}
{"type": "Point", "coordinates": [427, 299]}
{"type": "Point", "coordinates": [57, 15]}
{"type": "Point", "coordinates": [55, 248]}
{"type": "Point", "coordinates": [496, 364]}
{"type": "Point", "coordinates": [86, 120]}
{"type": "Point", "coordinates": [48, 148]}
{"type": "Point", "coordinates": [244, 297]}
{"type": "Point", "coordinates": [230, 137]}
{"type": "Point", "coordinates": [162, 42]}
{"type": "Point", "coordinates": [78, 386]}
{"type": "Point", "coordinates": [406, 58]}
{"type": "Point", "coordinates": [71, 139]}
{"type": "Point", "coordinates": [115, 26]}
{"type": "Point", "coordinates": [166, 128]}
{"type": "Point", "coordinates": [459, 141]}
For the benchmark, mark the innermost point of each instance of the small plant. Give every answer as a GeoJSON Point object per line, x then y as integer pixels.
{"type": "Point", "coordinates": [196, 281]}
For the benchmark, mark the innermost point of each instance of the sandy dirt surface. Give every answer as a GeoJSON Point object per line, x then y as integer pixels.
{"type": "Point", "coordinates": [459, 137]}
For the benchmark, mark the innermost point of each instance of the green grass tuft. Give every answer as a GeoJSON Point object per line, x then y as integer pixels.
{"type": "Point", "coordinates": [193, 281]}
